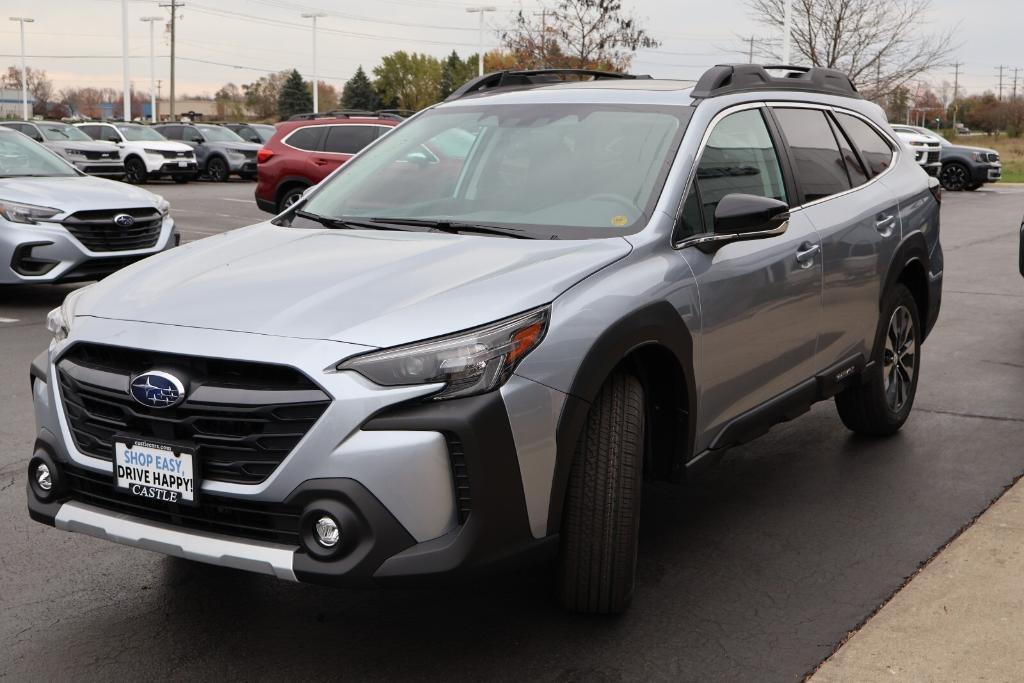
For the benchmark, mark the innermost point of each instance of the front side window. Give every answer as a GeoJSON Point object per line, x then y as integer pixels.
{"type": "Point", "coordinates": [21, 157]}
{"type": "Point", "coordinates": [567, 171]}
{"type": "Point", "coordinates": [134, 133]}
{"type": "Point", "coordinates": [819, 166]}
{"type": "Point", "coordinates": [875, 151]}
{"type": "Point", "coordinates": [62, 132]}
{"type": "Point", "coordinates": [349, 139]}
{"type": "Point", "coordinates": [739, 158]}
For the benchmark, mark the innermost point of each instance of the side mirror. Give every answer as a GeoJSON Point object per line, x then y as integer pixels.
{"type": "Point", "coordinates": [746, 215]}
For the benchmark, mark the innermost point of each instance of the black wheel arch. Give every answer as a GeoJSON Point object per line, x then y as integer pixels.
{"type": "Point", "coordinates": [910, 266]}
{"type": "Point", "coordinates": [288, 183]}
{"type": "Point", "coordinates": [654, 343]}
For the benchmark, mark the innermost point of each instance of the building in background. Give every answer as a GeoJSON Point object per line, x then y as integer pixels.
{"type": "Point", "coordinates": [10, 103]}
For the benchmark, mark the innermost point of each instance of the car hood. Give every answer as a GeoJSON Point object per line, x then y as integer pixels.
{"type": "Point", "coordinates": [95, 146]}
{"type": "Point", "coordinates": [166, 145]}
{"type": "Point", "coordinates": [75, 193]}
{"type": "Point", "coordinates": [963, 149]}
{"type": "Point", "coordinates": [368, 287]}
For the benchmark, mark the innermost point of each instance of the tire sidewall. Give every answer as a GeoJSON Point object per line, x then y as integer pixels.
{"type": "Point", "coordinates": [218, 176]}
{"type": "Point", "coordinates": [139, 166]}
{"type": "Point", "coordinates": [897, 296]}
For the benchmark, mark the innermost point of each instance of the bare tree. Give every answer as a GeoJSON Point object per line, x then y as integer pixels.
{"type": "Point", "coordinates": [40, 87]}
{"type": "Point", "coordinates": [880, 44]}
{"type": "Point", "coordinates": [576, 34]}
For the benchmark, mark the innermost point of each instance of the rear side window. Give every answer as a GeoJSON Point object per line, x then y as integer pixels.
{"type": "Point", "coordinates": [739, 159]}
{"type": "Point", "coordinates": [171, 132]}
{"type": "Point", "coordinates": [349, 139]}
{"type": "Point", "coordinates": [307, 139]}
{"type": "Point", "coordinates": [875, 151]}
{"type": "Point", "coordinates": [819, 166]}
{"type": "Point", "coordinates": [855, 169]}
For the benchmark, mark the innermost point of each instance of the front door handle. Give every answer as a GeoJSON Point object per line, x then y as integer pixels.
{"type": "Point", "coordinates": [320, 161]}
{"type": "Point", "coordinates": [806, 253]}
{"type": "Point", "coordinates": [885, 224]}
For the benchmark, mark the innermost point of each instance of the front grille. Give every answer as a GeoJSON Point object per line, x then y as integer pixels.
{"type": "Point", "coordinates": [244, 417]}
{"type": "Point", "coordinates": [934, 157]}
{"type": "Point", "coordinates": [249, 153]}
{"type": "Point", "coordinates": [97, 231]}
{"type": "Point", "coordinates": [170, 154]}
{"type": "Point", "coordinates": [216, 514]}
{"type": "Point", "coordinates": [460, 474]}
{"type": "Point", "coordinates": [96, 156]}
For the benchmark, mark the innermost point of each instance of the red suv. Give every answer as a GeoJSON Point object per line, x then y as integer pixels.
{"type": "Point", "coordinates": [302, 153]}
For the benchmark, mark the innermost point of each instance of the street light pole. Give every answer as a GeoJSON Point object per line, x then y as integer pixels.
{"type": "Point", "coordinates": [24, 72]}
{"type": "Point", "coordinates": [480, 54]}
{"type": "Point", "coordinates": [126, 87]}
{"type": "Point", "coordinates": [316, 95]}
{"type": "Point", "coordinates": [152, 69]}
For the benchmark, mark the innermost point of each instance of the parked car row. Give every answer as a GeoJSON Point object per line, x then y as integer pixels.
{"type": "Point", "coordinates": [958, 167]}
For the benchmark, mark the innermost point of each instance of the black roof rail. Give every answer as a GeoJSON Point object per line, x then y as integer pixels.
{"type": "Point", "coordinates": [726, 79]}
{"type": "Point", "coordinates": [334, 114]}
{"type": "Point", "coordinates": [513, 79]}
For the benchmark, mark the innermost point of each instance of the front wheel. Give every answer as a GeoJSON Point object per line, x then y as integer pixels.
{"type": "Point", "coordinates": [882, 403]}
{"type": "Point", "coordinates": [955, 177]}
{"type": "Point", "coordinates": [135, 171]}
{"type": "Point", "coordinates": [290, 197]}
{"type": "Point", "coordinates": [218, 170]}
{"type": "Point", "coordinates": [601, 519]}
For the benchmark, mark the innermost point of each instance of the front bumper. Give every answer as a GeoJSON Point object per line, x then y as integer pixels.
{"type": "Point", "coordinates": [988, 173]}
{"type": "Point", "coordinates": [103, 169]}
{"type": "Point", "coordinates": [428, 489]}
{"type": "Point", "coordinates": [49, 253]}
{"type": "Point", "coordinates": [242, 164]}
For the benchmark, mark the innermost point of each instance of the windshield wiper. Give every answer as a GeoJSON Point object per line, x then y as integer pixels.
{"type": "Point", "coordinates": [343, 223]}
{"type": "Point", "coordinates": [456, 227]}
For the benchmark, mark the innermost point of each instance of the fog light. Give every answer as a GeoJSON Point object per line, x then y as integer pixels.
{"type": "Point", "coordinates": [327, 532]}
{"type": "Point", "coordinates": [43, 477]}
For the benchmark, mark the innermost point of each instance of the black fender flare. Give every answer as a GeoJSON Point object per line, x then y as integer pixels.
{"type": "Point", "coordinates": [912, 248]}
{"type": "Point", "coordinates": [658, 324]}
{"type": "Point", "coordinates": [290, 180]}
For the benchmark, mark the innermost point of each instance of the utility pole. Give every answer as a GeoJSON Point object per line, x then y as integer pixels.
{"type": "Point", "coordinates": [126, 93]}
{"type": "Point", "coordinates": [24, 72]}
{"type": "Point", "coordinates": [1001, 70]}
{"type": "Point", "coordinates": [152, 69]}
{"type": "Point", "coordinates": [956, 92]}
{"type": "Point", "coordinates": [159, 90]}
{"type": "Point", "coordinates": [481, 10]}
{"type": "Point", "coordinates": [543, 14]}
{"type": "Point", "coordinates": [316, 95]}
{"type": "Point", "coordinates": [750, 56]}
{"type": "Point", "coordinates": [173, 5]}
{"type": "Point", "coordinates": [1016, 76]}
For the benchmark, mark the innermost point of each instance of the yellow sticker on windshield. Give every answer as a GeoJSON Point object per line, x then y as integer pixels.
{"type": "Point", "coordinates": [619, 221]}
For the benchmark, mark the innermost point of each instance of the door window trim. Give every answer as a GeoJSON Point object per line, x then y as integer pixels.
{"type": "Point", "coordinates": [323, 137]}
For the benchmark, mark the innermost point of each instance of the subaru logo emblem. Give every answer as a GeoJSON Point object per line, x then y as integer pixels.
{"type": "Point", "coordinates": [157, 389]}
{"type": "Point", "coordinates": [124, 220]}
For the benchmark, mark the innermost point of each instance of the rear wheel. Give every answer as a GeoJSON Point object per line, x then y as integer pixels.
{"type": "Point", "coordinates": [955, 177]}
{"type": "Point", "coordinates": [602, 508]}
{"type": "Point", "coordinates": [291, 196]}
{"type": "Point", "coordinates": [880, 405]}
{"type": "Point", "coordinates": [218, 170]}
{"type": "Point", "coordinates": [135, 171]}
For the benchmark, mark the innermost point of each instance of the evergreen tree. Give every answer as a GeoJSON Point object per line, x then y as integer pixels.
{"type": "Point", "coordinates": [359, 93]}
{"type": "Point", "coordinates": [295, 97]}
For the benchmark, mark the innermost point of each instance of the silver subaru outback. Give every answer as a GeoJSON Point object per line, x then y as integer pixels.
{"type": "Point", "coordinates": [450, 358]}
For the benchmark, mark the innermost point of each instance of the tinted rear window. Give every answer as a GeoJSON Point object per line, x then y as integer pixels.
{"type": "Point", "coordinates": [819, 165]}
{"type": "Point", "coordinates": [349, 139]}
{"type": "Point", "coordinates": [875, 151]}
{"type": "Point", "coordinates": [306, 138]}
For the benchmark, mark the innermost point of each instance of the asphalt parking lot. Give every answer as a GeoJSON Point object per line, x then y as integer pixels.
{"type": "Point", "coordinates": [754, 571]}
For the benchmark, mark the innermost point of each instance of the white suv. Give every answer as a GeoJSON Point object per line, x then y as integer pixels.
{"type": "Point", "coordinates": [927, 151]}
{"type": "Point", "coordinates": [147, 154]}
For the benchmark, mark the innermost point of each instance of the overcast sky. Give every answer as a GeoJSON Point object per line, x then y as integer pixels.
{"type": "Point", "coordinates": [239, 40]}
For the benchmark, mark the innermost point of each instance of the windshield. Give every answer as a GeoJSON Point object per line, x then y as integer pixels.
{"type": "Point", "coordinates": [61, 132]}
{"type": "Point", "coordinates": [569, 171]}
{"type": "Point", "coordinates": [264, 131]}
{"type": "Point", "coordinates": [219, 134]}
{"type": "Point", "coordinates": [20, 156]}
{"type": "Point", "coordinates": [140, 134]}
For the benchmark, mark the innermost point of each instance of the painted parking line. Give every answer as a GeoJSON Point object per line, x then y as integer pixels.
{"type": "Point", "coordinates": [240, 201]}
{"type": "Point", "coordinates": [7, 321]}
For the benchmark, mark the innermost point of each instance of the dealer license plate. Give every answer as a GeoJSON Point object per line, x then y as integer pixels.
{"type": "Point", "coordinates": [182, 164]}
{"type": "Point", "coordinates": [156, 471]}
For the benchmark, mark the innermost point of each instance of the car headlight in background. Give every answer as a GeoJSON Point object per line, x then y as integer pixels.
{"type": "Point", "coordinates": [162, 205]}
{"type": "Point", "coordinates": [59, 320]}
{"type": "Point", "coordinates": [25, 213]}
{"type": "Point", "coordinates": [154, 152]}
{"type": "Point", "coordinates": [467, 363]}
{"type": "Point", "coordinates": [239, 152]}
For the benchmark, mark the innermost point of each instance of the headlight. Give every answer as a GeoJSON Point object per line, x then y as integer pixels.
{"type": "Point", "coordinates": [468, 363]}
{"type": "Point", "coordinates": [240, 152]}
{"type": "Point", "coordinates": [74, 152]}
{"type": "Point", "coordinates": [59, 320]}
{"type": "Point", "coordinates": [162, 205]}
{"type": "Point", "coordinates": [917, 144]}
{"type": "Point", "coordinates": [25, 213]}
{"type": "Point", "coordinates": [154, 152]}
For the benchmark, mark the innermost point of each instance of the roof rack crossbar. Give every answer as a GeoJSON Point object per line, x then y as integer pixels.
{"type": "Point", "coordinates": [512, 79]}
{"type": "Point", "coordinates": [726, 79]}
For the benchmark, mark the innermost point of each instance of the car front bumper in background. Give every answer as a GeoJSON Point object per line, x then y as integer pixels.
{"type": "Point", "coordinates": [422, 489]}
{"type": "Point", "coordinates": [102, 169]}
{"type": "Point", "coordinates": [50, 253]}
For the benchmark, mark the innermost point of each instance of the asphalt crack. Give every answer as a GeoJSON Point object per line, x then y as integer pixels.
{"type": "Point", "coordinates": [954, 413]}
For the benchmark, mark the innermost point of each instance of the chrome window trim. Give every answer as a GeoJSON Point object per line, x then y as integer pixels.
{"type": "Point", "coordinates": [284, 140]}
{"type": "Point", "coordinates": [709, 238]}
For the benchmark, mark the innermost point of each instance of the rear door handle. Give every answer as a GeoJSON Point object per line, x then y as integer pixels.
{"type": "Point", "coordinates": [885, 224]}
{"type": "Point", "coordinates": [806, 253]}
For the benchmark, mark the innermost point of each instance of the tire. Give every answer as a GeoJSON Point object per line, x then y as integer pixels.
{"type": "Point", "coordinates": [955, 177]}
{"type": "Point", "coordinates": [600, 523]}
{"type": "Point", "coordinates": [880, 405]}
{"type": "Point", "coordinates": [218, 170]}
{"type": "Point", "coordinates": [135, 171]}
{"type": "Point", "coordinates": [289, 197]}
